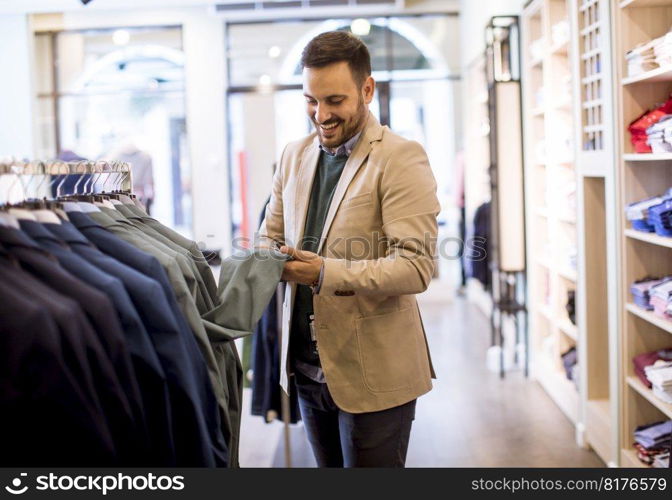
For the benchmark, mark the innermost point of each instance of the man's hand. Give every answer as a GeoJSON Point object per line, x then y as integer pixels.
{"type": "Point", "coordinates": [304, 269]}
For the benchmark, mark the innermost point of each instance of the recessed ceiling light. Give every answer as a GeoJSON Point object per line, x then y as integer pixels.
{"type": "Point", "coordinates": [274, 52]}
{"type": "Point", "coordinates": [121, 37]}
{"type": "Point", "coordinates": [265, 80]}
{"type": "Point", "coordinates": [360, 27]}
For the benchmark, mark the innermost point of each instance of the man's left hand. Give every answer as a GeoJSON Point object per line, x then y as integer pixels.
{"type": "Point", "coordinates": [304, 269]}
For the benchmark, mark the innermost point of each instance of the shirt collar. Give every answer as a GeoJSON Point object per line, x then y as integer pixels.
{"type": "Point", "coordinates": [345, 148]}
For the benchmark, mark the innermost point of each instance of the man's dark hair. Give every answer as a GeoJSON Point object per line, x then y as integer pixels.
{"type": "Point", "coordinates": [336, 46]}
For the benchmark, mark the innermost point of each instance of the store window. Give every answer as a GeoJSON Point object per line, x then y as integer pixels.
{"type": "Point", "coordinates": [119, 94]}
{"type": "Point", "coordinates": [415, 62]}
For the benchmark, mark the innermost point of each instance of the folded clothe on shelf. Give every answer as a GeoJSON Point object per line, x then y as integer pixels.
{"type": "Point", "coordinates": [569, 361]}
{"type": "Point", "coordinates": [653, 442]}
{"type": "Point", "coordinates": [641, 59]}
{"type": "Point", "coordinates": [660, 296]}
{"type": "Point", "coordinates": [537, 48]}
{"type": "Point", "coordinates": [641, 291]}
{"type": "Point", "coordinates": [649, 457]}
{"type": "Point", "coordinates": [659, 135]}
{"type": "Point", "coordinates": [662, 461]}
{"type": "Point", "coordinates": [560, 32]}
{"type": "Point", "coordinates": [639, 126]}
{"type": "Point", "coordinates": [660, 376]}
{"type": "Point", "coordinates": [654, 436]}
{"type": "Point", "coordinates": [641, 361]}
{"type": "Point", "coordinates": [660, 216]}
{"type": "Point", "coordinates": [662, 49]}
{"type": "Point", "coordinates": [638, 213]}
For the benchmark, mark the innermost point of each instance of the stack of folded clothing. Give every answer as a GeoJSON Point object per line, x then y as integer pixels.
{"type": "Point", "coordinates": [569, 361]}
{"type": "Point", "coordinates": [560, 32]}
{"type": "Point", "coordinates": [662, 461]}
{"type": "Point", "coordinates": [641, 291]}
{"type": "Point", "coordinates": [640, 125]}
{"type": "Point", "coordinates": [662, 49]}
{"type": "Point", "coordinates": [641, 59]}
{"type": "Point", "coordinates": [652, 443]}
{"type": "Point", "coordinates": [537, 49]}
{"type": "Point", "coordinates": [660, 216]}
{"type": "Point", "coordinates": [638, 213]}
{"type": "Point", "coordinates": [660, 376]}
{"type": "Point", "coordinates": [659, 135]}
{"type": "Point", "coordinates": [660, 296]}
{"type": "Point", "coordinates": [641, 361]}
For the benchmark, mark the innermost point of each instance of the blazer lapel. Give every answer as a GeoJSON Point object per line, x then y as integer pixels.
{"type": "Point", "coordinates": [372, 133]}
{"type": "Point", "coordinates": [304, 185]}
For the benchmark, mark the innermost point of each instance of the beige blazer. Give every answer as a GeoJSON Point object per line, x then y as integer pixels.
{"type": "Point", "coordinates": [378, 244]}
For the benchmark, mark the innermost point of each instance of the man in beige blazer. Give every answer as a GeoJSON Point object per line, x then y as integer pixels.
{"type": "Point", "coordinates": [355, 206]}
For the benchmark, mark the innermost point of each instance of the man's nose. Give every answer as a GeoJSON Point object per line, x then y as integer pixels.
{"type": "Point", "coordinates": [322, 113]}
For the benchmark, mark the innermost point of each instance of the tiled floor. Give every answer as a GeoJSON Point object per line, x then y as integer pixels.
{"type": "Point", "coordinates": [470, 419]}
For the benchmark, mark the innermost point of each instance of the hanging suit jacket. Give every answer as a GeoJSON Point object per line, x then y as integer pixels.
{"type": "Point", "coordinates": [106, 350]}
{"type": "Point", "coordinates": [378, 245]}
{"type": "Point", "coordinates": [54, 418]}
{"type": "Point", "coordinates": [94, 225]}
{"type": "Point", "coordinates": [201, 263]}
{"type": "Point", "coordinates": [188, 394]}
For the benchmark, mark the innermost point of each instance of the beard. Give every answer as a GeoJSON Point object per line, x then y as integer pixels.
{"type": "Point", "coordinates": [345, 130]}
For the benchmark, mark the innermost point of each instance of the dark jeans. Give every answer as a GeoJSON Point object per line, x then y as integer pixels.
{"type": "Point", "coordinates": [342, 439]}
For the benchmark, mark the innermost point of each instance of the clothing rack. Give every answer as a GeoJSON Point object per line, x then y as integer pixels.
{"type": "Point", "coordinates": [122, 172]}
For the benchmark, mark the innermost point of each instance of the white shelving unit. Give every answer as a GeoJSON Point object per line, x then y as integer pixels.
{"type": "Point", "coordinates": [550, 187]}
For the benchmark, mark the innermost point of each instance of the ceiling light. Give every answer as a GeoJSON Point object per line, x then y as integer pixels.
{"type": "Point", "coordinates": [265, 80]}
{"type": "Point", "coordinates": [121, 37]}
{"type": "Point", "coordinates": [274, 52]}
{"type": "Point", "coordinates": [360, 27]}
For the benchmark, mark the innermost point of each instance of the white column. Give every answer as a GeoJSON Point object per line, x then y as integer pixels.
{"type": "Point", "coordinates": [205, 74]}
{"type": "Point", "coordinates": [16, 90]}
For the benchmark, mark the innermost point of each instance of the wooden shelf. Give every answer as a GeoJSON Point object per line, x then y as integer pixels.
{"type": "Point", "coordinates": [559, 48]}
{"type": "Point", "coordinates": [628, 4]}
{"type": "Point", "coordinates": [545, 311]}
{"type": "Point", "coordinates": [568, 328]}
{"type": "Point", "coordinates": [652, 318]}
{"type": "Point", "coordinates": [662, 74]}
{"type": "Point", "coordinates": [568, 274]}
{"type": "Point", "coordinates": [535, 63]}
{"type": "Point", "coordinates": [567, 220]}
{"type": "Point", "coordinates": [599, 425]}
{"type": "Point", "coordinates": [647, 156]}
{"type": "Point", "coordinates": [547, 228]}
{"type": "Point", "coordinates": [647, 393]}
{"type": "Point", "coordinates": [629, 460]}
{"type": "Point", "coordinates": [561, 390]}
{"type": "Point", "coordinates": [652, 238]}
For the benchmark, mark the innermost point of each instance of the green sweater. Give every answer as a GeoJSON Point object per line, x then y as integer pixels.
{"type": "Point", "coordinates": [329, 169]}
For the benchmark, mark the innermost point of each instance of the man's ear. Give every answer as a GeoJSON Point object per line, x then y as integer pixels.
{"type": "Point", "coordinates": [368, 89]}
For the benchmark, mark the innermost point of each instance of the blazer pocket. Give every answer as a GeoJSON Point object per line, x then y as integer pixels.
{"type": "Point", "coordinates": [356, 201]}
{"type": "Point", "coordinates": [387, 347]}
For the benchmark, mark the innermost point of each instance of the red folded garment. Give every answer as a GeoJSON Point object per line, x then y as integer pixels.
{"type": "Point", "coordinates": [638, 126]}
{"type": "Point", "coordinates": [647, 359]}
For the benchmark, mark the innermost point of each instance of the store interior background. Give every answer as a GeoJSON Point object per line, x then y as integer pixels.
{"type": "Point", "coordinates": [213, 94]}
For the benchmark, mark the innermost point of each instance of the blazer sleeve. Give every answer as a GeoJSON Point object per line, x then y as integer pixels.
{"type": "Point", "coordinates": [409, 208]}
{"type": "Point", "coordinates": [272, 228]}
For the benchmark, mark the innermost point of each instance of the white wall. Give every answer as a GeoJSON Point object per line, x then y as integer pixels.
{"type": "Point", "coordinates": [16, 90]}
{"type": "Point", "coordinates": [474, 15]}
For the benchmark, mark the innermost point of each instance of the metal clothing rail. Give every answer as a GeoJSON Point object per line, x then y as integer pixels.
{"type": "Point", "coordinates": [121, 170]}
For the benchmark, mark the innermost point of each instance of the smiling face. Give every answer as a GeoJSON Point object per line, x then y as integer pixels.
{"type": "Point", "coordinates": [336, 105]}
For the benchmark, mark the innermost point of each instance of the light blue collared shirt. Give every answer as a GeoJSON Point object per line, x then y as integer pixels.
{"type": "Point", "coordinates": [345, 148]}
